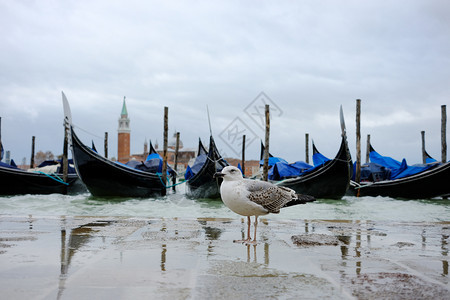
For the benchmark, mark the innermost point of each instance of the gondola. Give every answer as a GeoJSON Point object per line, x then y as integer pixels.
{"type": "Point", "coordinates": [15, 181]}
{"type": "Point", "coordinates": [415, 182]}
{"type": "Point", "coordinates": [105, 178]}
{"type": "Point", "coordinates": [44, 179]}
{"type": "Point", "coordinates": [328, 180]}
{"type": "Point", "coordinates": [199, 177]}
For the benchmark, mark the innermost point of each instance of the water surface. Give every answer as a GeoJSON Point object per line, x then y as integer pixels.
{"type": "Point", "coordinates": [178, 205]}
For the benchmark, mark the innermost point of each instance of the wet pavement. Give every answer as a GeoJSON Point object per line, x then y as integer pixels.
{"type": "Point", "coordinates": [146, 258]}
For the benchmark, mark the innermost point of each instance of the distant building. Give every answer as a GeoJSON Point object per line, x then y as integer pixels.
{"type": "Point", "coordinates": [123, 140]}
{"type": "Point", "coordinates": [184, 155]}
{"type": "Point", "coordinates": [252, 167]}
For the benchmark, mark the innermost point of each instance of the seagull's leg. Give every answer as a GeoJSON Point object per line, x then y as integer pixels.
{"type": "Point", "coordinates": [248, 239]}
{"type": "Point", "coordinates": [256, 225]}
{"type": "Point", "coordinates": [249, 221]}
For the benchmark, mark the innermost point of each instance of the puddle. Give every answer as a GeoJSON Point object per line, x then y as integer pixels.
{"type": "Point", "coordinates": [70, 257]}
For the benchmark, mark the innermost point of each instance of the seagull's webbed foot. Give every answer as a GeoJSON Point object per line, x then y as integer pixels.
{"type": "Point", "coordinates": [248, 240]}
{"type": "Point", "coordinates": [243, 241]}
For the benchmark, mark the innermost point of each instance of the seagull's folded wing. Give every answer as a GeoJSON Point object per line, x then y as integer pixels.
{"type": "Point", "coordinates": [271, 197]}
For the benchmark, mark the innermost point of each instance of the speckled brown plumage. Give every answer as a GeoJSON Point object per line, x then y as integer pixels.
{"type": "Point", "coordinates": [273, 198]}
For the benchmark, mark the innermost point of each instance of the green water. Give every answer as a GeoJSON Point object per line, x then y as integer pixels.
{"type": "Point", "coordinates": [178, 205]}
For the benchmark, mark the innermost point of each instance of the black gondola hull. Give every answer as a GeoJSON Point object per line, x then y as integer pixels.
{"type": "Point", "coordinates": [203, 185]}
{"type": "Point", "coordinates": [330, 181]}
{"type": "Point", "coordinates": [21, 182]}
{"type": "Point", "coordinates": [428, 184]}
{"type": "Point", "coordinates": [105, 178]}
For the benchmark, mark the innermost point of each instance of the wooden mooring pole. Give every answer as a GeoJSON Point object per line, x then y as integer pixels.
{"type": "Point", "coordinates": [243, 155]}
{"type": "Point", "coordinates": [175, 165]}
{"type": "Point", "coordinates": [368, 149]}
{"type": "Point", "coordinates": [166, 128]}
{"type": "Point", "coordinates": [106, 144]}
{"type": "Point", "coordinates": [266, 146]}
{"type": "Point", "coordinates": [358, 141]}
{"type": "Point", "coordinates": [424, 156]}
{"type": "Point", "coordinates": [307, 148]}
{"type": "Point", "coordinates": [33, 140]}
{"type": "Point", "coordinates": [444, 133]}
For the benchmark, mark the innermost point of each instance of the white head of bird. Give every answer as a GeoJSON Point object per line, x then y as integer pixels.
{"type": "Point", "coordinates": [230, 173]}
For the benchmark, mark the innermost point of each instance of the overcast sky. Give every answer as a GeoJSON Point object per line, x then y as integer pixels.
{"type": "Point", "coordinates": [304, 58]}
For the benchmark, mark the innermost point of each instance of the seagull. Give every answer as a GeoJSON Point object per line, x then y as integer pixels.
{"type": "Point", "coordinates": [248, 197]}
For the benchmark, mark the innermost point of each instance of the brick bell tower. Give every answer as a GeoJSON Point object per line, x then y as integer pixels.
{"type": "Point", "coordinates": [123, 139]}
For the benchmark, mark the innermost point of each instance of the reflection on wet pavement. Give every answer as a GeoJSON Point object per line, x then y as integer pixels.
{"type": "Point", "coordinates": [121, 258]}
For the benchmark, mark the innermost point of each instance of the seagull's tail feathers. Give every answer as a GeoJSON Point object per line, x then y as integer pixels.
{"type": "Point", "coordinates": [301, 199]}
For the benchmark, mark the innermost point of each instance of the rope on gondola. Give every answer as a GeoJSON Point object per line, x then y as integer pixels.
{"type": "Point", "coordinates": [343, 160]}
{"type": "Point", "coordinates": [215, 161]}
{"type": "Point", "coordinates": [90, 133]}
{"type": "Point", "coordinates": [57, 179]}
{"type": "Point", "coordinates": [168, 186]}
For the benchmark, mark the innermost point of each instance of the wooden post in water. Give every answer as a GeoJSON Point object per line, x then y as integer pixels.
{"type": "Point", "coordinates": [444, 133]}
{"type": "Point", "coordinates": [243, 155]}
{"type": "Point", "coordinates": [358, 141]}
{"type": "Point", "coordinates": [266, 146]}
{"type": "Point", "coordinates": [106, 144]}
{"type": "Point", "coordinates": [368, 149]}
{"type": "Point", "coordinates": [307, 148]}
{"type": "Point", "coordinates": [166, 128]}
{"type": "Point", "coordinates": [33, 140]}
{"type": "Point", "coordinates": [65, 162]}
{"type": "Point", "coordinates": [424, 156]}
{"type": "Point", "coordinates": [177, 147]}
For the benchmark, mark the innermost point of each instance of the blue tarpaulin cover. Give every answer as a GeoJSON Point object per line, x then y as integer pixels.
{"type": "Point", "coordinates": [273, 160]}
{"type": "Point", "coordinates": [11, 166]}
{"type": "Point", "coordinates": [196, 167]}
{"type": "Point", "coordinates": [430, 160]}
{"type": "Point", "coordinates": [319, 159]}
{"type": "Point", "coordinates": [203, 156]}
{"type": "Point", "coordinates": [283, 170]}
{"type": "Point", "coordinates": [398, 169]}
{"type": "Point", "coordinates": [189, 174]}
{"type": "Point", "coordinates": [373, 172]}
{"type": "Point", "coordinates": [13, 163]}
{"type": "Point", "coordinates": [153, 164]}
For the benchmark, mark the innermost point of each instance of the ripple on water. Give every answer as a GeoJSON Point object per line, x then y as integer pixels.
{"type": "Point", "coordinates": [178, 205]}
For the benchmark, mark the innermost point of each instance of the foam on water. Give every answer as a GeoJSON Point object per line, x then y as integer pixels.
{"type": "Point", "coordinates": [178, 205]}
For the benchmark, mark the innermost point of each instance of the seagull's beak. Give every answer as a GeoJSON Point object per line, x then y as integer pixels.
{"type": "Point", "coordinates": [218, 175]}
